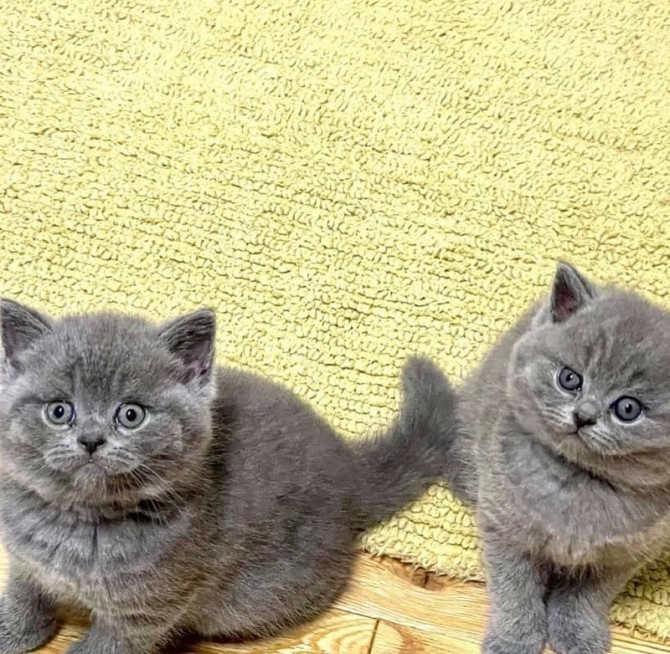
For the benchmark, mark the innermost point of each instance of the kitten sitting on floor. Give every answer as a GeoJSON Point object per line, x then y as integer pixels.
{"type": "Point", "coordinates": [168, 498]}
{"type": "Point", "coordinates": [564, 447]}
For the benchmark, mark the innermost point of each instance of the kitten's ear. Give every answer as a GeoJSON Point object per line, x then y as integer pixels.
{"type": "Point", "coordinates": [191, 339]}
{"type": "Point", "coordinates": [21, 326]}
{"type": "Point", "coordinates": [570, 293]}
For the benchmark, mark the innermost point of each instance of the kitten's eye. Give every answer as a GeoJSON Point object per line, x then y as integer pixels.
{"type": "Point", "coordinates": [59, 413]}
{"type": "Point", "coordinates": [627, 409]}
{"type": "Point", "coordinates": [131, 416]}
{"type": "Point", "coordinates": [569, 380]}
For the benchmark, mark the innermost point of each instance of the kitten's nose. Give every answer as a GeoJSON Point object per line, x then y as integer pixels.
{"type": "Point", "coordinates": [586, 413]}
{"type": "Point", "coordinates": [91, 441]}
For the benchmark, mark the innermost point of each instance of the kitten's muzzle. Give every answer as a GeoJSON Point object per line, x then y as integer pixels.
{"type": "Point", "coordinates": [91, 441]}
{"type": "Point", "coordinates": [586, 413]}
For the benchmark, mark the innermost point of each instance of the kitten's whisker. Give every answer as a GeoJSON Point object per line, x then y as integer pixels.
{"type": "Point", "coordinates": [166, 489]}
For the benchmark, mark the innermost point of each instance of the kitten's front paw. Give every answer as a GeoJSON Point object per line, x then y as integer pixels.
{"type": "Point", "coordinates": [577, 634]}
{"type": "Point", "coordinates": [98, 641]}
{"type": "Point", "coordinates": [89, 645]}
{"type": "Point", "coordinates": [23, 633]}
{"type": "Point", "coordinates": [580, 640]}
{"type": "Point", "coordinates": [80, 647]}
{"type": "Point", "coordinates": [498, 643]}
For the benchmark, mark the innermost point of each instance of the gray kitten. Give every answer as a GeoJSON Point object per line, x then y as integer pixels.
{"type": "Point", "coordinates": [564, 448]}
{"type": "Point", "coordinates": [166, 497]}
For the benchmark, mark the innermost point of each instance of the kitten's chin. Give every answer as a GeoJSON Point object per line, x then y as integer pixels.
{"type": "Point", "coordinates": [577, 446]}
{"type": "Point", "coordinates": [85, 467]}
{"type": "Point", "coordinates": [92, 476]}
{"type": "Point", "coordinates": [93, 484]}
{"type": "Point", "coordinates": [592, 444]}
{"type": "Point", "coordinates": [90, 473]}
{"type": "Point", "coordinates": [584, 451]}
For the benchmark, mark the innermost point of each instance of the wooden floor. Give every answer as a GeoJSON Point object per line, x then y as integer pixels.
{"type": "Point", "coordinates": [389, 609]}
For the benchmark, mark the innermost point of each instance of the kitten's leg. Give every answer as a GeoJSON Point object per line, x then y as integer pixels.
{"type": "Point", "coordinates": [27, 616]}
{"type": "Point", "coordinates": [122, 638]}
{"type": "Point", "coordinates": [577, 610]}
{"type": "Point", "coordinates": [517, 623]}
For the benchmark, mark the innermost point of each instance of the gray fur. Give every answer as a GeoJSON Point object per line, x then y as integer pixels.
{"type": "Point", "coordinates": [567, 513]}
{"type": "Point", "coordinates": [232, 511]}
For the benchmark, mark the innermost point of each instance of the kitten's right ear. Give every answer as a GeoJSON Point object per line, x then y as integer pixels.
{"type": "Point", "coordinates": [570, 293]}
{"type": "Point", "coordinates": [21, 326]}
{"type": "Point", "coordinates": [191, 339]}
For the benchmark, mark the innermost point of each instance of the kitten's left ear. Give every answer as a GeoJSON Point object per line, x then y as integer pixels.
{"type": "Point", "coordinates": [21, 327]}
{"type": "Point", "coordinates": [570, 293]}
{"type": "Point", "coordinates": [191, 339]}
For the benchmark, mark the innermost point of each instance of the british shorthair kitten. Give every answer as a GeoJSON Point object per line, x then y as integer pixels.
{"type": "Point", "coordinates": [564, 448]}
{"type": "Point", "coordinates": [167, 497]}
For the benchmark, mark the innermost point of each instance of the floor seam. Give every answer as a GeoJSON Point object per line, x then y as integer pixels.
{"type": "Point", "coordinates": [374, 634]}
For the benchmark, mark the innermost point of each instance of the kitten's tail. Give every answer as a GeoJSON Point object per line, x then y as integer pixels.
{"type": "Point", "coordinates": [396, 467]}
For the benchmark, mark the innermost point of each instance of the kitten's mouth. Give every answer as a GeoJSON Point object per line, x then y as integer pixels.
{"type": "Point", "coordinates": [94, 468]}
{"type": "Point", "coordinates": [584, 438]}
{"type": "Point", "coordinates": [90, 466]}
{"type": "Point", "coordinates": [592, 443]}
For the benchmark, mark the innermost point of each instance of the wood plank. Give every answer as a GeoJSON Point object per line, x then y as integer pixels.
{"type": "Point", "coordinates": [336, 632]}
{"type": "Point", "coordinates": [625, 644]}
{"type": "Point", "coordinates": [397, 639]}
{"type": "Point", "coordinates": [445, 608]}
{"type": "Point", "coordinates": [378, 591]}
{"type": "Point", "coordinates": [622, 641]}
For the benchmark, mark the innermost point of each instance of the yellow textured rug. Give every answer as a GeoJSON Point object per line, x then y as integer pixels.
{"type": "Point", "coordinates": [345, 182]}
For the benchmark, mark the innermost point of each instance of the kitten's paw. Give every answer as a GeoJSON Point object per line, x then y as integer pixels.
{"type": "Point", "coordinates": [570, 634]}
{"type": "Point", "coordinates": [87, 646]}
{"type": "Point", "coordinates": [80, 647]}
{"type": "Point", "coordinates": [99, 642]}
{"type": "Point", "coordinates": [580, 639]}
{"type": "Point", "coordinates": [495, 643]}
{"type": "Point", "coordinates": [93, 646]}
{"type": "Point", "coordinates": [18, 636]}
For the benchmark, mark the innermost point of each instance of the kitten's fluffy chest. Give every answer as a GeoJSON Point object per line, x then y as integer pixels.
{"type": "Point", "coordinates": [97, 563]}
{"type": "Point", "coordinates": [563, 514]}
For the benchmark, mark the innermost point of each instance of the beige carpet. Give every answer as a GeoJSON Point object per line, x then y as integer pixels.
{"type": "Point", "coordinates": [345, 182]}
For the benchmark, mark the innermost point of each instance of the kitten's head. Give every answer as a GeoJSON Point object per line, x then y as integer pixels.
{"type": "Point", "coordinates": [591, 379]}
{"type": "Point", "coordinates": [104, 408]}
